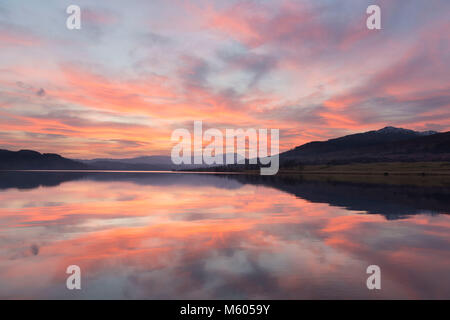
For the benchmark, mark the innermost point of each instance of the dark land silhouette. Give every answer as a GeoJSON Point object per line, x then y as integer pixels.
{"type": "Point", "coordinates": [385, 145]}
{"type": "Point", "coordinates": [32, 160]}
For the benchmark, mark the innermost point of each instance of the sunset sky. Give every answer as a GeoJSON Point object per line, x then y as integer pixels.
{"type": "Point", "coordinates": [137, 70]}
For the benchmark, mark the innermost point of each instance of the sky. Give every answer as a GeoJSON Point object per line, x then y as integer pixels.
{"type": "Point", "coordinates": [137, 70]}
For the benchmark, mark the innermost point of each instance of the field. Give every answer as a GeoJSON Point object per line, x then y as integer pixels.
{"type": "Point", "coordinates": [398, 173]}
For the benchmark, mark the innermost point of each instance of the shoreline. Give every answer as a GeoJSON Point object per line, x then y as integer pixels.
{"type": "Point", "coordinates": [361, 169]}
{"type": "Point", "coordinates": [366, 169]}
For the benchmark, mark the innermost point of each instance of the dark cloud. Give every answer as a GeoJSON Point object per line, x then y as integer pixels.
{"type": "Point", "coordinates": [40, 92]}
{"type": "Point", "coordinates": [128, 143]}
{"type": "Point", "coordinates": [23, 85]}
{"type": "Point", "coordinates": [258, 65]}
{"type": "Point", "coordinates": [194, 71]}
{"type": "Point", "coordinates": [153, 38]}
{"type": "Point", "coordinates": [34, 250]}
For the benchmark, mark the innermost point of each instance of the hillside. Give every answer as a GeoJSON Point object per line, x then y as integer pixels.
{"type": "Point", "coordinates": [384, 145]}
{"type": "Point", "coordinates": [32, 160]}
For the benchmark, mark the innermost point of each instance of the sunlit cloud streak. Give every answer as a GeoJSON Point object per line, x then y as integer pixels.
{"type": "Point", "coordinates": [121, 84]}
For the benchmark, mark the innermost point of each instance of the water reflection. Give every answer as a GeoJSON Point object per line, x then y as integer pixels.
{"type": "Point", "coordinates": [206, 236]}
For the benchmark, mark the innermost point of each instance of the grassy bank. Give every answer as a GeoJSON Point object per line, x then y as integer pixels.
{"type": "Point", "coordinates": [424, 174]}
{"type": "Point", "coordinates": [380, 168]}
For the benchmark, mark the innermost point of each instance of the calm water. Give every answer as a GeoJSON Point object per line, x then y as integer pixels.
{"type": "Point", "coordinates": [177, 236]}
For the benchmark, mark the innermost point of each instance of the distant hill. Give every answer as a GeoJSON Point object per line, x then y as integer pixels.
{"type": "Point", "coordinates": [147, 163]}
{"type": "Point", "coordinates": [32, 160]}
{"type": "Point", "coordinates": [370, 138]}
{"type": "Point", "coordinates": [387, 144]}
{"type": "Point", "coordinates": [142, 163]}
{"type": "Point", "coordinates": [147, 160]}
{"type": "Point", "coordinates": [117, 165]}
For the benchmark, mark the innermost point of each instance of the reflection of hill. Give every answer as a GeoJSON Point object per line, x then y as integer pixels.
{"type": "Point", "coordinates": [32, 180]}
{"type": "Point", "coordinates": [394, 201]}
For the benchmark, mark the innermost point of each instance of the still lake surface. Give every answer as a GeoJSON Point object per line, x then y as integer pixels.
{"type": "Point", "coordinates": [204, 236]}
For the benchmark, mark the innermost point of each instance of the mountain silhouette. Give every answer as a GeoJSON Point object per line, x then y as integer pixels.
{"type": "Point", "coordinates": [32, 160]}
{"type": "Point", "coordinates": [138, 163]}
{"type": "Point", "coordinates": [145, 163]}
{"type": "Point", "coordinates": [389, 144]}
{"type": "Point", "coordinates": [384, 145]}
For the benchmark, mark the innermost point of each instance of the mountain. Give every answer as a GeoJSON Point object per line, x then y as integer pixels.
{"type": "Point", "coordinates": [32, 160]}
{"type": "Point", "coordinates": [370, 138]}
{"type": "Point", "coordinates": [147, 160]}
{"type": "Point", "coordinates": [140, 163]}
{"type": "Point", "coordinates": [144, 163]}
{"type": "Point", "coordinates": [387, 144]}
